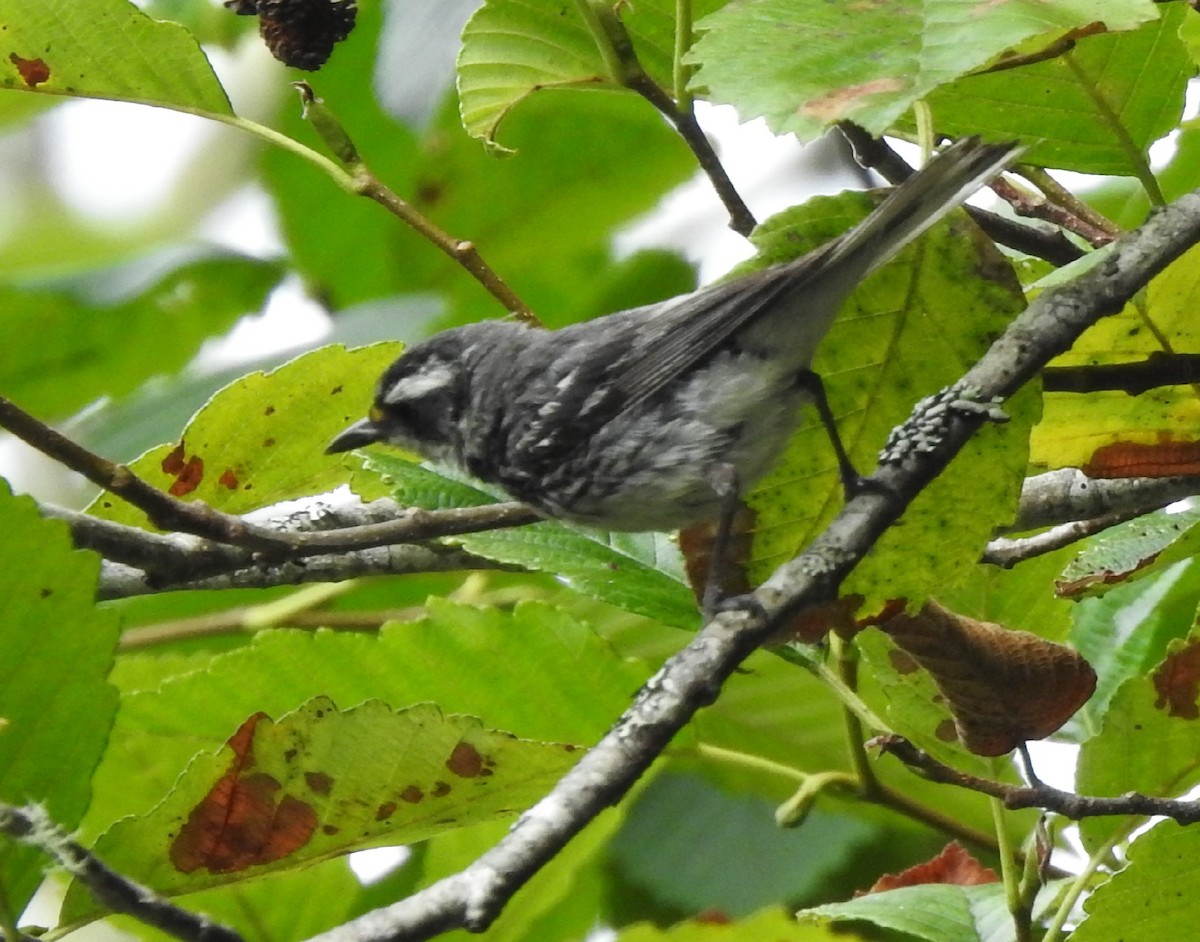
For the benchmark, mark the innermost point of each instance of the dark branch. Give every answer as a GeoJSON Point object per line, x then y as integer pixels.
{"type": "Point", "coordinates": [1039, 795]}
{"type": "Point", "coordinates": [1135, 378]}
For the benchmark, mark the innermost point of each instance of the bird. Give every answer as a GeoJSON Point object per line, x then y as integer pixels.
{"type": "Point", "coordinates": [646, 419]}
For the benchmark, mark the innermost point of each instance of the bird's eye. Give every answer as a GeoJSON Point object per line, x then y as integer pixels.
{"type": "Point", "coordinates": [416, 418]}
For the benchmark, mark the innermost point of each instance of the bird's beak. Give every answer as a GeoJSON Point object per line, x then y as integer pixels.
{"type": "Point", "coordinates": [362, 432]}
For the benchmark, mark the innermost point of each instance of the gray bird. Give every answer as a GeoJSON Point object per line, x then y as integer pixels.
{"type": "Point", "coordinates": [627, 421]}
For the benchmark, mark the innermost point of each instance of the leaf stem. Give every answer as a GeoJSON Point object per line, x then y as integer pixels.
{"type": "Point", "coordinates": [1076, 888]}
{"type": "Point", "coordinates": [1010, 869]}
{"type": "Point", "coordinates": [620, 59]}
{"type": "Point", "coordinates": [747, 760]}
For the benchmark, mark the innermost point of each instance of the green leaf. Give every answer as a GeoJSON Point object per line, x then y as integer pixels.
{"type": "Point", "coordinates": [535, 671]}
{"type": "Point", "coordinates": [655, 851]}
{"type": "Point", "coordinates": [561, 901]}
{"type": "Point", "coordinates": [640, 572]}
{"type": "Point", "coordinates": [807, 64]}
{"type": "Point", "coordinates": [1094, 109]}
{"type": "Point", "coordinates": [111, 349]}
{"type": "Point", "coordinates": [770, 923]}
{"type": "Point", "coordinates": [907, 331]}
{"type": "Point", "coordinates": [544, 221]}
{"type": "Point", "coordinates": [1132, 550]}
{"type": "Point", "coordinates": [320, 782]}
{"type": "Point", "coordinates": [261, 439]}
{"type": "Point", "coordinates": [1152, 898]}
{"type": "Point", "coordinates": [514, 48]}
{"type": "Point", "coordinates": [105, 49]}
{"type": "Point", "coordinates": [1125, 633]}
{"type": "Point", "coordinates": [56, 706]}
{"type": "Point", "coordinates": [1147, 743]}
{"type": "Point", "coordinates": [932, 912]}
{"type": "Point", "coordinates": [298, 904]}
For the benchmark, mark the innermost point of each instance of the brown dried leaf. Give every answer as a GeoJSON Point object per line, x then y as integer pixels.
{"type": "Point", "coordinates": [953, 865]}
{"type": "Point", "coordinates": [1003, 687]}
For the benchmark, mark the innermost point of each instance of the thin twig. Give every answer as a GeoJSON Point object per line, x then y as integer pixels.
{"type": "Point", "coordinates": [741, 219]}
{"type": "Point", "coordinates": [118, 581]}
{"type": "Point", "coordinates": [1034, 206]}
{"type": "Point", "coordinates": [616, 49]}
{"type": "Point", "coordinates": [1006, 552]}
{"type": "Point", "coordinates": [1059, 194]}
{"type": "Point", "coordinates": [364, 183]}
{"type": "Point", "coordinates": [1068, 804]}
{"type": "Point", "coordinates": [1135, 377]}
{"type": "Point", "coordinates": [170, 513]}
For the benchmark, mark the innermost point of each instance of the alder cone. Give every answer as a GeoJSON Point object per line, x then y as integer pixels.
{"type": "Point", "coordinates": [1003, 687]}
{"type": "Point", "coordinates": [300, 33]}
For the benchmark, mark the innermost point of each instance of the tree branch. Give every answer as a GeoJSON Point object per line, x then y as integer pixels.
{"type": "Point", "coordinates": [1068, 495]}
{"type": "Point", "coordinates": [1039, 794]}
{"type": "Point", "coordinates": [1136, 377]}
{"type": "Point", "coordinates": [1006, 552]}
{"type": "Point", "coordinates": [118, 581]}
{"type": "Point", "coordinates": [691, 679]}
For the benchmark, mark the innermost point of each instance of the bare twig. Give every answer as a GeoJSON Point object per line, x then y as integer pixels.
{"type": "Point", "coordinates": [31, 825]}
{"type": "Point", "coordinates": [118, 581]}
{"type": "Point", "coordinates": [616, 48]}
{"type": "Point", "coordinates": [164, 511]}
{"type": "Point", "coordinates": [1033, 206]}
{"type": "Point", "coordinates": [1007, 552]}
{"type": "Point", "coordinates": [138, 562]}
{"type": "Point", "coordinates": [1040, 795]}
{"type": "Point", "coordinates": [365, 183]}
{"type": "Point", "coordinates": [1057, 193]}
{"type": "Point", "coordinates": [170, 513]}
{"type": "Point", "coordinates": [1136, 377]}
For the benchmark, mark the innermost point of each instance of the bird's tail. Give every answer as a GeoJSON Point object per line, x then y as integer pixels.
{"type": "Point", "coordinates": [919, 202]}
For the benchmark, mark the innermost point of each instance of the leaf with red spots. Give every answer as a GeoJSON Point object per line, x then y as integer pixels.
{"type": "Point", "coordinates": [266, 433]}
{"type": "Point", "coordinates": [319, 782]}
{"type": "Point", "coordinates": [1110, 432]}
{"type": "Point", "coordinates": [1132, 550]}
{"type": "Point", "coordinates": [1177, 681]}
{"type": "Point", "coordinates": [33, 72]}
{"type": "Point", "coordinates": [1144, 459]}
{"type": "Point", "coordinates": [1147, 739]}
{"type": "Point", "coordinates": [106, 49]}
{"type": "Point", "coordinates": [189, 477]}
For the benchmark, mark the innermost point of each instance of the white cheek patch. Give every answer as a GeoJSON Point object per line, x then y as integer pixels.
{"type": "Point", "coordinates": [430, 380]}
